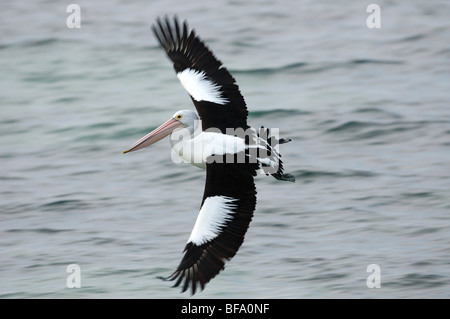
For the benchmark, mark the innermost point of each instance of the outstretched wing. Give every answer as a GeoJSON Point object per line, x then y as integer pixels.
{"type": "Point", "coordinates": [227, 209]}
{"type": "Point", "coordinates": [213, 90]}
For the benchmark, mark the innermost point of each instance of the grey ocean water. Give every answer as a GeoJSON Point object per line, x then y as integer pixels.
{"type": "Point", "coordinates": [367, 109]}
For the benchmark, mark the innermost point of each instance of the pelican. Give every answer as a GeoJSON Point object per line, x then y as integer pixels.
{"type": "Point", "coordinates": [218, 139]}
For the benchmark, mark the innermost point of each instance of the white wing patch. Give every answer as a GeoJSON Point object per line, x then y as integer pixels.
{"type": "Point", "coordinates": [215, 212]}
{"type": "Point", "coordinates": [200, 87]}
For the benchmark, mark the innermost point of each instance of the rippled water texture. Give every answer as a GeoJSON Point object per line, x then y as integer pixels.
{"type": "Point", "coordinates": [367, 109]}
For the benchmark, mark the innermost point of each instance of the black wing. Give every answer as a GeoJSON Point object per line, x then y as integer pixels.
{"type": "Point", "coordinates": [228, 205]}
{"type": "Point", "coordinates": [213, 90]}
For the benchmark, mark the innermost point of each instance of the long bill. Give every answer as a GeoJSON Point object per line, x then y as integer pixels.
{"type": "Point", "coordinates": [154, 136]}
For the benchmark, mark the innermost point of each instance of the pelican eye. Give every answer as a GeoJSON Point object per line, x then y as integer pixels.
{"type": "Point", "coordinates": [179, 116]}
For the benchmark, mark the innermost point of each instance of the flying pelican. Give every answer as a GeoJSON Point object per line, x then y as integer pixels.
{"type": "Point", "coordinates": [229, 150]}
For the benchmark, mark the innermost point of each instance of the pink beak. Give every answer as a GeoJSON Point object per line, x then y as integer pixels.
{"type": "Point", "coordinates": [154, 136]}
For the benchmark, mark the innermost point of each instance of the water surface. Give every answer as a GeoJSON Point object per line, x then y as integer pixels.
{"type": "Point", "coordinates": [367, 110]}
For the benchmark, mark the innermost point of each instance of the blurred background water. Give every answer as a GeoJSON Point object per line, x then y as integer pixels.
{"type": "Point", "coordinates": [367, 109]}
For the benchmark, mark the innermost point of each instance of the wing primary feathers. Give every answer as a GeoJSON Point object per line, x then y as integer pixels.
{"type": "Point", "coordinates": [159, 36]}
{"type": "Point", "coordinates": [184, 45]}
{"type": "Point", "coordinates": [177, 30]}
{"type": "Point", "coordinates": [186, 280]}
{"type": "Point", "coordinates": [172, 39]}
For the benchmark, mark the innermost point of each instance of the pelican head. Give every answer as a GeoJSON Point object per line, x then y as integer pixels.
{"type": "Point", "coordinates": [182, 119]}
